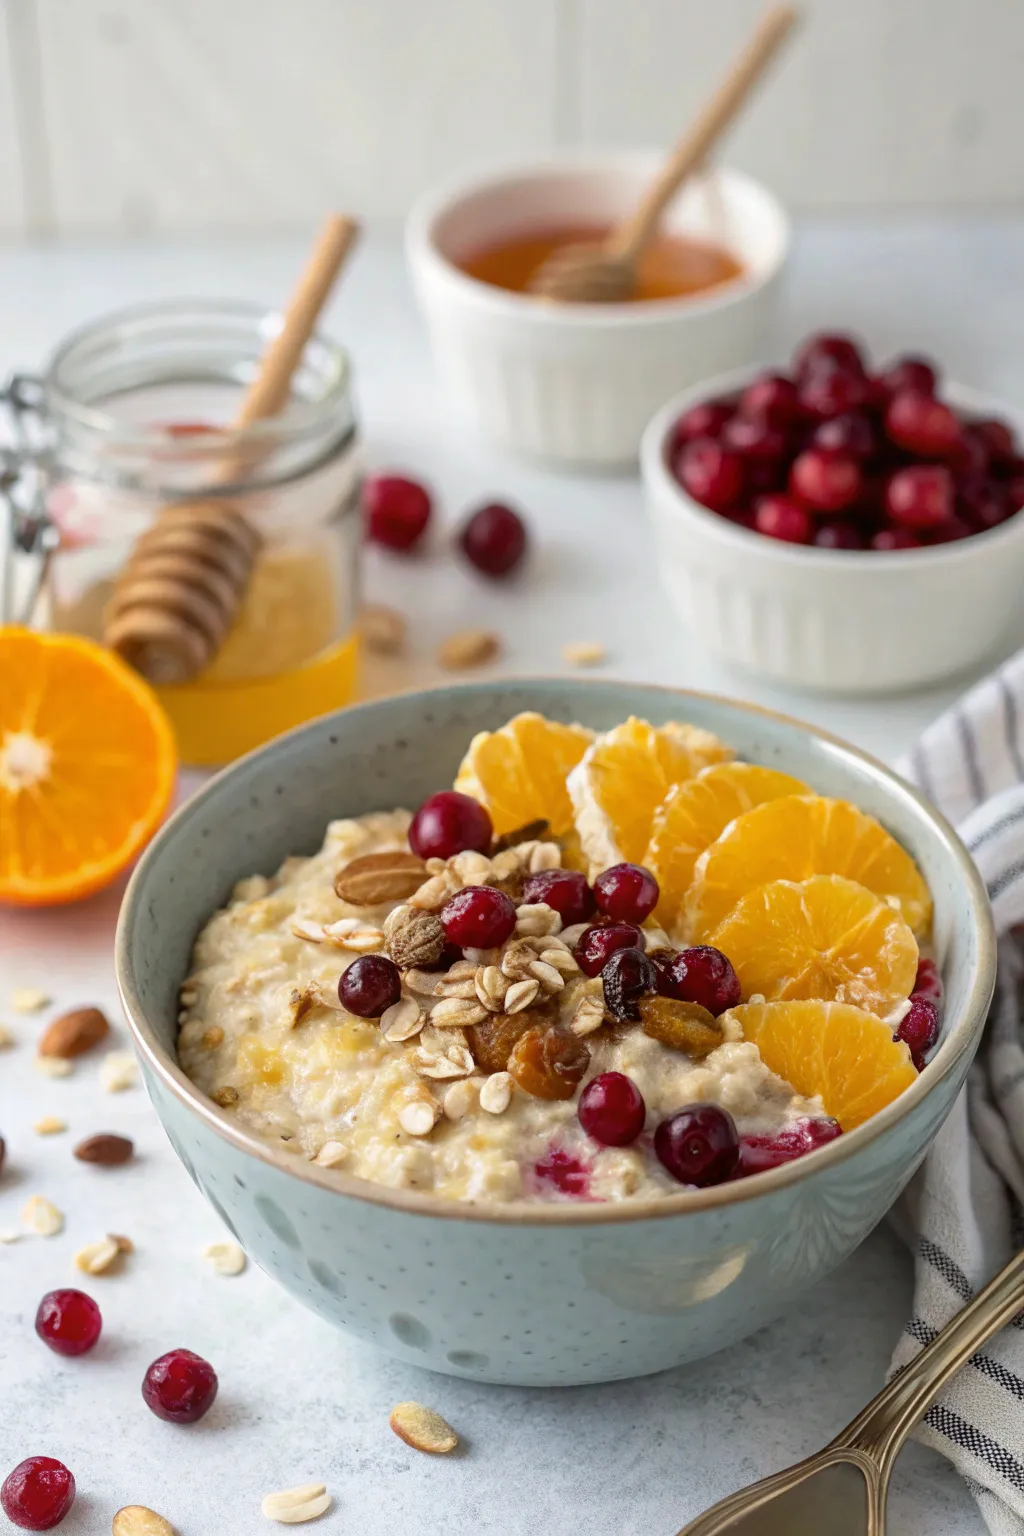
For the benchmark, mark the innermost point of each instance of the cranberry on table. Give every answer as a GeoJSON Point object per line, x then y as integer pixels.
{"type": "Point", "coordinates": [698, 1145]}
{"type": "Point", "coordinates": [827, 349]}
{"type": "Point", "coordinates": [919, 1029]}
{"type": "Point", "coordinates": [397, 510]}
{"type": "Point", "coordinates": [494, 539]}
{"type": "Point", "coordinates": [851, 434]}
{"type": "Point", "coordinates": [596, 945]}
{"type": "Point", "coordinates": [894, 538]}
{"type": "Point", "coordinates": [478, 917]}
{"type": "Point", "coordinates": [826, 481]}
{"type": "Point", "coordinates": [780, 517]}
{"type": "Point", "coordinates": [928, 982]}
{"type": "Point", "coordinates": [759, 1153]}
{"type": "Point", "coordinates": [704, 420]}
{"type": "Point", "coordinates": [909, 372]}
{"type": "Point", "coordinates": [370, 986]}
{"type": "Point", "coordinates": [38, 1493]}
{"type": "Point", "coordinates": [701, 975]}
{"type": "Point", "coordinates": [839, 535]}
{"type": "Point", "coordinates": [627, 977]}
{"type": "Point", "coordinates": [773, 397]}
{"type": "Point", "coordinates": [627, 893]}
{"type": "Point", "coordinates": [68, 1321]}
{"type": "Point", "coordinates": [180, 1386]}
{"type": "Point", "coordinates": [612, 1109]}
{"type": "Point", "coordinates": [712, 474]}
{"type": "Point", "coordinates": [450, 823]}
{"type": "Point", "coordinates": [920, 497]}
{"type": "Point", "coordinates": [922, 424]}
{"type": "Point", "coordinates": [566, 890]}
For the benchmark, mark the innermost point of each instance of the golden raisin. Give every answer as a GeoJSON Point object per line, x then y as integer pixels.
{"type": "Point", "coordinates": [549, 1063]}
{"type": "Point", "coordinates": [683, 1026]}
{"type": "Point", "coordinates": [492, 1040]}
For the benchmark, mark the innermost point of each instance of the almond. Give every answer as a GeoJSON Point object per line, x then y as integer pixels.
{"type": "Point", "coordinates": [379, 877]}
{"type": "Point", "coordinates": [423, 1429]}
{"type": "Point", "coordinates": [74, 1032]}
{"type": "Point", "coordinates": [468, 648]}
{"type": "Point", "coordinates": [105, 1149]}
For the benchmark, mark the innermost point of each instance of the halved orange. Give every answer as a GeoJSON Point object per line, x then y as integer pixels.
{"type": "Point", "coordinates": [792, 839]}
{"type": "Point", "coordinates": [519, 771]}
{"type": "Point", "coordinates": [623, 778]}
{"type": "Point", "coordinates": [694, 813]}
{"type": "Point", "coordinates": [826, 937]}
{"type": "Point", "coordinates": [847, 1056]}
{"type": "Point", "coordinates": [87, 765]}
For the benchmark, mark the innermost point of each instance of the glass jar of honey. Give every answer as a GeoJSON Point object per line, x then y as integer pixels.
{"type": "Point", "coordinates": [132, 415]}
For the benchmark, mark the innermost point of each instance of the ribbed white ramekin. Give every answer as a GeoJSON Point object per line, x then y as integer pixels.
{"type": "Point", "coordinates": [578, 382]}
{"type": "Point", "coordinates": [841, 620]}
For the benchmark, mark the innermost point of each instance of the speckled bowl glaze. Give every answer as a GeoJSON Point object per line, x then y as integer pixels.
{"type": "Point", "coordinates": [544, 1294]}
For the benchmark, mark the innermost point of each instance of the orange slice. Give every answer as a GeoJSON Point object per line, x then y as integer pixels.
{"type": "Point", "coordinates": [519, 771]}
{"type": "Point", "coordinates": [87, 767]}
{"type": "Point", "coordinates": [826, 937]}
{"type": "Point", "coordinates": [842, 1053]}
{"type": "Point", "coordinates": [694, 813]}
{"type": "Point", "coordinates": [792, 839]}
{"type": "Point", "coordinates": [623, 778]}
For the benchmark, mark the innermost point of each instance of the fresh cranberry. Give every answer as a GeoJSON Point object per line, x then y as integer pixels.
{"type": "Point", "coordinates": [850, 435]}
{"type": "Point", "coordinates": [566, 890]}
{"type": "Point", "coordinates": [627, 893]}
{"type": "Point", "coordinates": [596, 945]}
{"type": "Point", "coordinates": [698, 1145]}
{"type": "Point", "coordinates": [920, 497]}
{"type": "Point", "coordinates": [894, 538]}
{"type": "Point", "coordinates": [839, 535]}
{"type": "Point", "coordinates": [450, 823]}
{"type": "Point", "coordinates": [754, 437]}
{"type": "Point", "coordinates": [702, 975]}
{"type": "Point", "coordinates": [987, 506]}
{"type": "Point", "coordinates": [772, 397]}
{"type": "Point", "coordinates": [397, 510]}
{"type": "Point", "coordinates": [922, 424]}
{"type": "Point", "coordinates": [446, 959]}
{"type": "Point", "coordinates": [712, 475]}
{"type": "Point", "coordinates": [742, 519]}
{"type": "Point", "coordinates": [997, 437]}
{"type": "Point", "coordinates": [929, 982]}
{"type": "Point", "coordinates": [565, 1172]}
{"type": "Point", "coordinates": [971, 461]}
{"type": "Point", "coordinates": [628, 976]}
{"type": "Point", "coordinates": [1015, 491]}
{"type": "Point", "coordinates": [954, 529]}
{"type": "Point", "coordinates": [759, 1153]}
{"type": "Point", "coordinates": [370, 986]}
{"type": "Point", "coordinates": [832, 391]}
{"type": "Point", "coordinates": [909, 373]}
{"type": "Point", "coordinates": [612, 1109]}
{"type": "Point", "coordinates": [180, 1386]}
{"type": "Point", "coordinates": [69, 1322]}
{"type": "Point", "coordinates": [828, 350]}
{"type": "Point", "coordinates": [38, 1493]}
{"type": "Point", "coordinates": [704, 420]}
{"type": "Point", "coordinates": [494, 539]}
{"type": "Point", "coordinates": [919, 1029]}
{"type": "Point", "coordinates": [478, 917]}
{"type": "Point", "coordinates": [782, 518]}
{"type": "Point", "coordinates": [825, 481]}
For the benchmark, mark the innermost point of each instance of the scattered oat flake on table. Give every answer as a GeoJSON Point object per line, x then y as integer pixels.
{"type": "Point", "coordinates": [11, 1236]}
{"type": "Point", "coordinates": [468, 648]}
{"type": "Point", "coordinates": [294, 1506]}
{"type": "Point", "coordinates": [28, 999]}
{"type": "Point", "coordinates": [6, 1037]}
{"type": "Point", "coordinates": [49, 1125]}
{"type": "Point", "coordinates": [97, 1258]}
{"type": "Point", "coordinates": [54, 1066]}
{"type": "Point", "coordinates": [226, 1257]}
{"type": "Point", "coordinates": [140, 1520]}
{"type": "Point", "coordinates": [584, 653]}
{"type": "Point", "coordinates": [423, 1429]}
{"type": "Point", "coordinates": [42, 1216]}
{"type": "Point", "coordinates": [118, 1071]}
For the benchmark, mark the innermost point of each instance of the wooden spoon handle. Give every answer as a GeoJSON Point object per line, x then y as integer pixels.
{"type": "Point", "coordinates": [629, 239]}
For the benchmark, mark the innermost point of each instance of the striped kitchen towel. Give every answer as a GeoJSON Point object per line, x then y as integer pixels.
{"type": "Point", "coordinates": [965, 1208]}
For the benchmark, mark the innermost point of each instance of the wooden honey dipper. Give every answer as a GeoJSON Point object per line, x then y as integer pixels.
{"type": "Point", "coordinates": [182, 587]}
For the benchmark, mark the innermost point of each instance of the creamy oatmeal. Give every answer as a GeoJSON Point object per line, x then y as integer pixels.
{"type": "Point", "coordinates": [426, 1097]}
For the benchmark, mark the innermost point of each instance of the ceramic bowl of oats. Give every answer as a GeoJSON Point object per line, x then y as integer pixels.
{"type": "Point", "coordinates": [552, 1032]}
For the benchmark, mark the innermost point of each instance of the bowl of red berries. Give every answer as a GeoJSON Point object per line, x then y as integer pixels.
{"type": "Point", "coordinates": [838, 526]}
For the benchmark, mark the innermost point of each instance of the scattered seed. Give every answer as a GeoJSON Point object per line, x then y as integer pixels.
{"type": "Point", "coordinates": [119, 1071]}
{"type": "Point", "coordinates": [105, 1149]}
{"type": "Point", "coordinates": [304, 928]}
{"type": "Point", "coordinates": [468, 648]}
{"type": "Point", "coordinates": [294, 1506]}
{"type": "Point", "coordinates": [54, 1066]}
{"type": "Point", "coordinates": [496, 1093]}
{"type": "Point", "coordinates": [584, 653]}
{"type": "Point", "coordinates": [458, 1012]}
{"type": "Point", "coordinates": [29, 999]}
{"type": "Point", "coordinates": [226, 1257]}
{"type": "Point", "coordinates": [383, 629]}
{"type": "Point", "coordinates": [138, 1520]}
{"type": "Point", "coordinates": [520, 995]}
{"type": "Point", "coordinates": [401, 1021]}
{"type": "Point", "coordinates": [42, 1216]}
{"type": "Point", "coordinates": [49, 1125]}
{"type": "Point", "coordinates": [226, 1097]}
{"type": "Point", "coordinates": [331, 1155]}
{"type": "Point", "coordinates": [423, 1429]}
{"type": "Point", "coordinates": [460, 1098]}
{"type": "Point", "coordinates": [418, 1117]}
{"type": "Point", "coordinates": [97, 1258]}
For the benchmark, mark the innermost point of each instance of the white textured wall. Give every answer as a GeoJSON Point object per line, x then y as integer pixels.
{"type": "Point", "coordinates": [128, 115]}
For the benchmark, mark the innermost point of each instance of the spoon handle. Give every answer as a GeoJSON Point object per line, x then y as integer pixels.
{"type": "Point", "coordinates": [887, 1421]}
{"type": "Point", "coordinates": [629, 239]}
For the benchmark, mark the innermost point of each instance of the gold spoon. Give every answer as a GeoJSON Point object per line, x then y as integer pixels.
{"type": "Point", "coordinates": [606, 273]}
{"type": "Point", "coordinates": [843, 1489]}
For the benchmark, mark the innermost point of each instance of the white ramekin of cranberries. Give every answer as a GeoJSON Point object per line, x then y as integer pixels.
{"type": "Point", "coordinates": [839, 527]}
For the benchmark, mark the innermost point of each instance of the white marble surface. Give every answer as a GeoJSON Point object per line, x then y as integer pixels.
{"type": "Point", "coordinates": [297, 1400]}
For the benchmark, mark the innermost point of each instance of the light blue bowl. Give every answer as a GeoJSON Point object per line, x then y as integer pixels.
{"type": "Point", "coordinates": [538, 1295]}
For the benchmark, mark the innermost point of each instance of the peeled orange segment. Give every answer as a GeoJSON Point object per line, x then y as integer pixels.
{"type": "Point", "coordinates": [87, 767]}
{"type": "Point", "coordinates": [792, 839]}
{"type": "Point", "coordinates": [623, 778]}
{"type": "Point", "coordinates": [826, 937]}
{"type": "Point", "coordinates": [694, 813]}
{"type": "Point", "coordinates": [519, 771]}
{"type": "Point", "coordinates": [840, 1052]}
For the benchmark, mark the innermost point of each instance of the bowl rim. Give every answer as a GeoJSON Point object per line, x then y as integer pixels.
{"type": "Point", "coordinates": [431, 206]}
{"type": "Point", "coordinates": [961, 1041]}
{"type": "Point", "coordinates": [662, 485]}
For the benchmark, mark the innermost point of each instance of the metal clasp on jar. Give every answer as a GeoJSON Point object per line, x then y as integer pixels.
{"type": "Point", "coordinates": [28, 537]}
